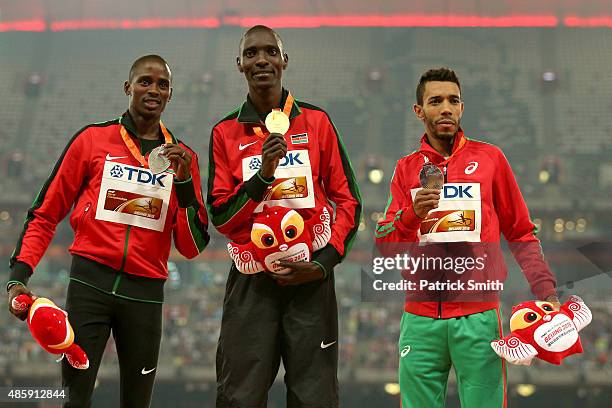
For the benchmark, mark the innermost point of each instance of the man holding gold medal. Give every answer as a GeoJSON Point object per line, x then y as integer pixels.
{"type": "Point", "coordinates": [275, 150]}
{"type": "Point", "coordinates": [134, 188]}
{"type": "Point", "coordinates": [455, 196]}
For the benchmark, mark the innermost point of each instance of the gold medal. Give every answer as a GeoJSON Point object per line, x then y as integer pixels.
{"type": "Point", "coordinates": [277, 122]}
{"type": "Point", "coordinates": [158, 163]}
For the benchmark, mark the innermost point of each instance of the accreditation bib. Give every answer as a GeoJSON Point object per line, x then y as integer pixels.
{"type": "Point", "coordinates": [458, 217]}
{"type": "Point", "coordinates": [134, 196]}
{"type": "Point", "coordinates": [293, 186]}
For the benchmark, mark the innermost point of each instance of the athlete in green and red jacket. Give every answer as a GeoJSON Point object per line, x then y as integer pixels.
{"type": "Point", "coordinates": [438, 334]}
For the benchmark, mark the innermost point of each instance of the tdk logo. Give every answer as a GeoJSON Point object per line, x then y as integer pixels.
{"type": "Point", "coordinates": [294, 159]}
{"type": "Point", "coordinates": [141, 176]}
{"type": "Point", "coordinates": [291, 159]}
{"type": "Point", "coordinates": [451, 191]}
{"type": "Point", "coordinates": [116, 171]}
{"type": "Point", "coordinates": [255, 163]}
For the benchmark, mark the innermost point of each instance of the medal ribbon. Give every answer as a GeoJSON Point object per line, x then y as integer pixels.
{"type": "Point", "coordinates": [135, 150]}
{"type": "Point", "coordinates": [286, 111]}
{"type": "Point", "coordinates": [461, 143]}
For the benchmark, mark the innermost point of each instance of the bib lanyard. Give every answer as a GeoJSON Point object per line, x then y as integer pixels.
{"type": "Point", "coordinates": [132, 146]}
{"type": "Point", "coordinates": [286, 111]}
{"type": "Point", "coordinates": [445, 162]}
{"type": "Point", "coordinates": [461, 143]}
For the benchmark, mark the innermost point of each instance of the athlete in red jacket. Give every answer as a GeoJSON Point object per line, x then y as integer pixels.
{"type": "Point", "coordinates": [479, 200]}
{"type": "Point", "coordinates": [266, 317]}
{"type": "Point", "coordinates": [124, 219]}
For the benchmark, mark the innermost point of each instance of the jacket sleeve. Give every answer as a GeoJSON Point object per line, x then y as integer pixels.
{"type": "Point", "coordinates": [341, 188]}
{"type": "Point", "coordinates": [519, 231]}
{"type": "Point", "coordinates": [51, 205]}
{"type": "Point", "coordinates": [399, 222]}
{"type": "Point", "coordinates": [230, 202]}
{"type": "Point", "coordinates": [191, 225]}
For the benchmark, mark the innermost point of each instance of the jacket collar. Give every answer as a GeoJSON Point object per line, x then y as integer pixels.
{"type": "Point", "coordinates": [248, 113]}
{"type": "Point", "coordinates": [128, 123]}
{"type": "Point", "coordinates": [433, 155]}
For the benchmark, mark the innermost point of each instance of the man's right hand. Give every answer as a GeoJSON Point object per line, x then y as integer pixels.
{"type": "Point", "coordinates": [15, 291]}
{"type": "Point", "coordinates": [273, 149]}
{"type": "Point", "coordinates": [425, 200]}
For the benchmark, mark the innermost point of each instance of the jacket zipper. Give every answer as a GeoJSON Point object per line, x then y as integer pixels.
{"type": "Point", "coordinates": [125, 248]}
{"type": "Point", "coordinates": [440, 296]}
{"type": "Point", "coordinates": [125, 244]}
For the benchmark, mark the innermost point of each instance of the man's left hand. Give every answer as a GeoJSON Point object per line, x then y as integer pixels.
{"type": "Point", "coordinates": [181, 160]}
{"type": "Point", "coordinates": [300, 272]}
{"type": "Point", "coordinates": [555, 302]}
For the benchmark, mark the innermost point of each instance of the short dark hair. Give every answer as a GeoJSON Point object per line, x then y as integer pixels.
{"type": "Point", "coordinates": [146, 58]}
{"type": "Point", "coordinates": [260, 27]}
{"type": "Point", "coordinates": [436, 74]}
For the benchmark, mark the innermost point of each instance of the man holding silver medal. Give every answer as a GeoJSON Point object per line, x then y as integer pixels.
{"type": "Point", "coordinates": [275, 150]}
{"type": "Point", "coordinates": [455, 196]}
{"type": "Point", "coordinates": [127, 209]}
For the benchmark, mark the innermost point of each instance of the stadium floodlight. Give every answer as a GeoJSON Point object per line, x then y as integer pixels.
{"type": "Point", "coordinates": [375, 176]}
{"type": "Point", "coordinates": [392, 388]}
{"type": "Point", "coordinates": [549, 76]}
{"type": "Point", "coordinates": [559, 225]}
{"type": "Point", "coordinates": [362, 226]}
{"type": "Point", "coordinates": [525, 390]}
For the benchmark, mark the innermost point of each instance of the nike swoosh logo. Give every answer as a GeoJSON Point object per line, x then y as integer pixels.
{"type": "Point", "coordinates": [109, 157]}
{"type": "Point", "coordinates": [242, 147]}
{"type": "Point", "coordinates": [145, 372]}
{"type": "Point", "coordinates": [324, 346]}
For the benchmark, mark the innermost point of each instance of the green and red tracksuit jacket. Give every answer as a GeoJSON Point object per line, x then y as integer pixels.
{"type": "Point", "coordinates": [315, 172]}
{"type": "Point", "coordinates": [483, 171]}
{"type": "Point", "coordinates": [125, 260]}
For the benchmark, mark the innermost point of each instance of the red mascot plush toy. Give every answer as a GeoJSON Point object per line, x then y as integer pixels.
{"type": "Point", "coordinates": [539, 331]}
{"type": "Point", "coordinates": [281, 234]}
{"type": "Point", "coordinates": [50, 327]}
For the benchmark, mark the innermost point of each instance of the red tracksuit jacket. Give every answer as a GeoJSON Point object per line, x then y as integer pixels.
{"type": "Point", "coordinates": [76, 180]}
{"type": "Point", "coordinates": [315, 172]}
{"type": "Point", "coordinates": [500, 209]}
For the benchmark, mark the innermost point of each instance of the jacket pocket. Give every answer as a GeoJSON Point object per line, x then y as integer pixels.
{"type": "Point", "coordinates": [83, 217]}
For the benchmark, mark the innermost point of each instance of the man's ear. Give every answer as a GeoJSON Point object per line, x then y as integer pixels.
{"type": "Point", "coordinates": [239, 65]}
{"type": "Point", "coordinates": [418, 111]}
{"type": "Point", "coordinates": [285, 60]}
{"type": "Point", "coordinates": [126, 88]}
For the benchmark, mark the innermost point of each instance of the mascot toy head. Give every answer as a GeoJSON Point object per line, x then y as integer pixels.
{"type": "Point", "coordinates": [50, 327]}
{"type": "Point", "coordinates": [538, 330]}
{"type": "Point", "coordinates": [281, 234]}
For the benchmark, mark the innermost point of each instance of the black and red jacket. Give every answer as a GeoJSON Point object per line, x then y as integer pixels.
{"type": "Point", "coordinates": [233, 196]}
{"type": "Point", "coordinates": [120, 250]}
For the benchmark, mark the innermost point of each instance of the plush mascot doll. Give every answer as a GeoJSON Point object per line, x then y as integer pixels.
{"type": "Point", "coordinates": [281, 234]}
{"type": "Point", "coordinates": [50, 327]}
{"type": "Point", "coordinates": [539, 331]}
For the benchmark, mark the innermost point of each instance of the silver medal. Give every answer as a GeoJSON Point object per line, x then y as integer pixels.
{"type": "Point", "coordinates": [431, 176]}
{"type": "Point", "coordinates": [158, 163]}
